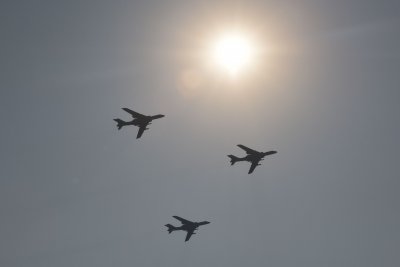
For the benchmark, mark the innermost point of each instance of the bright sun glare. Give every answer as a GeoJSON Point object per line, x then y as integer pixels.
{"type": "Point", "coordinates": [232, 52]}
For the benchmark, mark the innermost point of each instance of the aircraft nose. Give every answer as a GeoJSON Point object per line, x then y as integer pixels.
{"type": "Point", "coordinates": [206, 222]}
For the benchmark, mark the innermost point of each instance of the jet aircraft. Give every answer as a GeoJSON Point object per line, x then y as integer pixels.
{"type": "Point", "coordinates": [139, 120]}
{"type": "Point", "coordinates": [252, 156]}
{"type": "Point", "coordinates": [187, 226]}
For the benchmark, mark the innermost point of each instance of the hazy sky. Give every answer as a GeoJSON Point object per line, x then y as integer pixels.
{"type": "Point", "coordinates": [75, 191]}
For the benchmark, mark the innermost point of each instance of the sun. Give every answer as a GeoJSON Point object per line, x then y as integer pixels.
{"type": "Point", "coordinates": [233, 52]}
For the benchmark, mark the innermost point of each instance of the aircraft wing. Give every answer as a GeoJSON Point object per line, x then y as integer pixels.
{"type": "Point", "coordinates": [183, 221]}
{"type": "Point", "coordinates": [254, 164]}
{"type": "Point", "coordinates": [142, 128]}
{"type": "Point", "coordinates": [189, 234]}
{"type": "Point", "coordinates": [248, 150]}
{"type": "Point", "coordinates": [134, 113]}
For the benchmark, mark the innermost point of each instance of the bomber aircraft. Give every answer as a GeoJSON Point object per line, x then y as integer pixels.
{"type": "Point", "coordinates": [187, 226]}
{"type": "Point", "coordinates": [252, 156]}
{"type": "Point", "coordinates": [139, 120]}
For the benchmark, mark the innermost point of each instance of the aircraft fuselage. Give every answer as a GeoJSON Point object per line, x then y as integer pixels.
{"type": "Point", "coordinates": [141, 121]}
{"type": "Point", "coordinates": [190, 227]}
{"type": "Point", "coordinates": [146, 120]}
{"type": "Point", "coordinates": [257, 157]}
{"type": "Point", "coordinates": [187, 227]}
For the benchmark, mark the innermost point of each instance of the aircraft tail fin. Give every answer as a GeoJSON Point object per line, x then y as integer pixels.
{"type": "Point", "coordinates": [233, 159]}
{"type": "Point", "coordinates": [120, 123]}
{"type": "Point", "coordinates": [170, 228]}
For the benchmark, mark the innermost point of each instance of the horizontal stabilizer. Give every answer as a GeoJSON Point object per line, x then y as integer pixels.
{"type": "Point", "coordinates": [120, 123]}
{"type": "Point", "coordinates": [170, 228]}
{"type": "Point", "coordinates": [233, 159]}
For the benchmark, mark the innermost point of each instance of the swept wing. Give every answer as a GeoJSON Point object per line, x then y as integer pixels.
{"type": "Point", "coordinates": [189, 234]}
{"type": "Point", "coordinates": [134, 113]}
{"type": "Point", "coordinates": [183, 221]}
{"type": "Point", "coordinates": [254, 164]}
{"type": "Point", "coordinates": [142, 128]}
{"type": "Point", "coordinates": [248, 150]}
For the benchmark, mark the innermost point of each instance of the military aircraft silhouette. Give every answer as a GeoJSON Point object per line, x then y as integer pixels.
{"type": "Point", "coordinates": [252, 156]}
{"type": "Point", "coordinates": [139, 120]}
{"type": "Point", "coordinates": [187, 226]}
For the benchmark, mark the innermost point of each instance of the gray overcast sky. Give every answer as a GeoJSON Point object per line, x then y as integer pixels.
{"type": "Point", "coordinates": [74, 191]}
